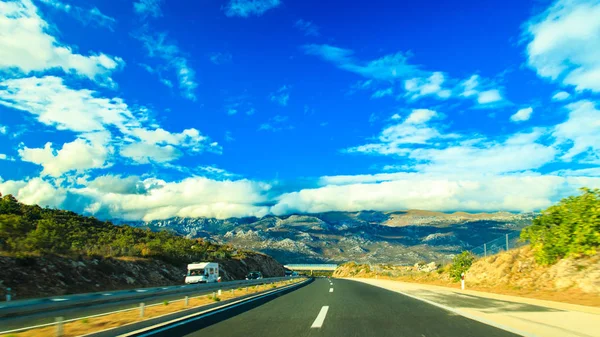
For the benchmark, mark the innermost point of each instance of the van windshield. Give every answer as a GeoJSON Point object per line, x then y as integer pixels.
{"type": "Point", "coordinates": [195, 272]}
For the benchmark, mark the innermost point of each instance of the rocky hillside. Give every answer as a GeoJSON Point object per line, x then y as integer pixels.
{"type": "Point", "coordinates": [52, 275]}
{"type": "Point", "coordinates": [575, 280]}
{"type": "Point", "coordinates": [46, 252]}
{"type": "Point", "coordinates": [376, 237]}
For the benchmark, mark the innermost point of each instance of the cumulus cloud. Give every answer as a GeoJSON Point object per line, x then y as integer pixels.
{"type": "Point", "coordinates": [246, 8]}
{"type": "Point", "coordinates": [481, 90]}
{"type": "Point", "coordinates": [564, 43]}
{"type": "Point", "coordinates": [489, 96]}
{"type": "Point", "coordinates": [26, 46]}
{"type": "Point", "coordinates": [431, 192]}
{"type": "Point", "coordinates": [561, 96]}
{"type": "Point", "coordinates": [580, 133]}
{"type": "Point", "coordinates": [307, 27]}
{"type": "Point", "coordinates": [79, 155]}
{"type": "Point", "coordinates": [99, 121]}
{"type": "Point", "coordinates": [429, 86]}
{"type": "Point", "coordinates": [3, 129]}
{"type": "Point", "coordinates": [522, 115]}
{"type": "Point", "coordinates": [159, 46]}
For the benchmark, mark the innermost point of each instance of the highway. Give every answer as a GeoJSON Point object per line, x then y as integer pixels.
{"type": "Point", "coordinates": [341, 308]}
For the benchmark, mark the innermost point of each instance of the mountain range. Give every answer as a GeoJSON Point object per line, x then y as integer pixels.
{"type": "Point", "coordinates": [402, 237]}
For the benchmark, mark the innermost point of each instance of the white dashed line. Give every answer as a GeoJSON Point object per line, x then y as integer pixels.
{"type": "Point", "coordinates": [330, 290]}
{"type": "Point", "coordinates": [320, 317]}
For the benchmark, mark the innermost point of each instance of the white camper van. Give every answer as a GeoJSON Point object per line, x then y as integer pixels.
{"type": "Point", "coordinates": [202, 272]}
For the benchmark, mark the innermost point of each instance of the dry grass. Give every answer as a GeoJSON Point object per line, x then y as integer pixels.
{"type": "Point", "coordinates": [85, 326]}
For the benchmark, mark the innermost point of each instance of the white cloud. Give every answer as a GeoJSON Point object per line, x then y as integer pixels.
{"type": "Point", "coordinates": [25, 45]}
{"type": "Point", "coordinates": [35, 191]}
{"type": "Point", "coordinates": [307, 27]}
{"type": "Point", "coordinates": [420, 116]}
{"type": "Point", "coordinates": [117, 184]}
{"type": "Point", "coordinates": [55, 104]}
{"type": "Point", "coordinates": [564, 43]}
{"type": "Point", "coordinates": [86, 16]}
{"type": "Point", "coordinates": [431, 86]}
{"type": "Point", "coordinates": [388, 67]}
{"type": "Point", "coordinates": [79, 155]}
{"type": "Point", "coordinates": [100, 121]}
{"type": "Point", "coordinates": [158, 46]}
{"type": "Point", "coordinates": [395, 139]}
{"type": "Point", "coordinates": [561, 96]}
{"type": "Point", "coordinates": [246, 8]}
{"type": "Point", "coordinates": [580, 133]}
{"type": "Point", "coordinates": [281, 96]}
{"type": "Point", "coordinates": [3, 129]}
{"type": "Point", "coordinates": [522, 115]}
{"type": "Point", "coordinates": [482, 90]}
{"type": "Point", "coordinates": [432, 192]}
{"type": "Point", "coordinates": [449, 153]}
{"type": "Point", "coordinates": [382, 93]}
{"type": "Point", "coordinates": [144, 153]}
{"type": "Point", "coordinates": [489, 96]}
{"type": "Point", "coordinates": [146, 8]}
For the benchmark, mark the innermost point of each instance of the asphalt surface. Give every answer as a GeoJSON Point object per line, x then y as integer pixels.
{"type": "Point", "coordinates": [354, 309]}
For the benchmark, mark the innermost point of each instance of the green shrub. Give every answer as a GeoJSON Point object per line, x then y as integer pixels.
{"type": "Point", "coordinates": [569, 228]}
{"type": "Point", "coordinates": [85, 321]}
{"type": "Point", "coordinates": [166, 303]}
{"type": "Point", "coordinates": [460, 264]}
{"type": "Point", "coordinates": [216, 299]}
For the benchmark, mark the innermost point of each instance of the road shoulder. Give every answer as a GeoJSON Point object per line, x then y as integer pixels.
{"type": "Point", "coordinates": [525, 316]}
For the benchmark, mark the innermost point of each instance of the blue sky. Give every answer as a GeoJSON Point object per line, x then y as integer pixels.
{"type": "Point", "coordinates": [150, 109]}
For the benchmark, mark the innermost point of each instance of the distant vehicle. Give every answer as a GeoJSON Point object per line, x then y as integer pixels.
{"type": "Point", "coordinates": [202, 272]}
{"type": "Point", "coordinates": [288, 273]}
{"type": "Point", "coordinates": [254, 275]}
{"type": "Point", "coordinates": [295, 273]}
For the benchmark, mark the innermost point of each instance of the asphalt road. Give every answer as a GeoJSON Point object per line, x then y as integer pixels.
{"type": "Point", "coordinates": [353, 309]}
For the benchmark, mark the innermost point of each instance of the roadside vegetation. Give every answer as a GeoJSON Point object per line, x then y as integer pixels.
{"type": "Point", "coordinates": [562, 261]}
{"type": "Point", "coordinates": [27, 230]}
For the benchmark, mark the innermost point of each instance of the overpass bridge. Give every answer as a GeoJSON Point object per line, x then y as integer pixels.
{"type": "Point", "coordinates": [311, 267]}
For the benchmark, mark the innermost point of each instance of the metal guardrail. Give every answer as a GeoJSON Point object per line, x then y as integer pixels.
{"type": "Point", "coordinates": [207, 287]}
{"type": "Point", "coordinates": [21, 307]}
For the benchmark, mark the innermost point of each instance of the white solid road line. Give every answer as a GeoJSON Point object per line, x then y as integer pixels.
{"type": "Point", "coordinates": [330, 290]}
{"type": "Point", "coordinates": [320, 317]}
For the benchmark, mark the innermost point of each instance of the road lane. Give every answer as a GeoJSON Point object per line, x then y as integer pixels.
{"type": "Point", "coordinates": [354, 309]}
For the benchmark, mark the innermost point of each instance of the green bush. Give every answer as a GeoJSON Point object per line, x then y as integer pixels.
{"type": "Point", "coordinates": [570, 228]}
{"type": "Point", "coordinates": [460, 264]}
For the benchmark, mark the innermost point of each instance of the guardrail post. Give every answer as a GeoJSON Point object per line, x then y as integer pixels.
{"type": "Point", "coordinates": [59, 326]}
{"type": "Point", "coordinates": [506, 242]}
{"type": "Point", "coordinates": [142, 309]}
{"type": "Point", "coordinates": [232, 293]}
{"type": "Point", "coordinates": [484, 250]}
{"type": "Point", "coordinates": [8, 295]}
{"type": "Point", "coordinates": [219, 292]}
{"type": "Point", "coordinates": [187, 301]}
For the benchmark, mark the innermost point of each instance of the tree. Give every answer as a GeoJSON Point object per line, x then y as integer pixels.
{"type": "Point", "coordinates": [569, 229]}
{"type": "Point", "coordinates": [460, 264]}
